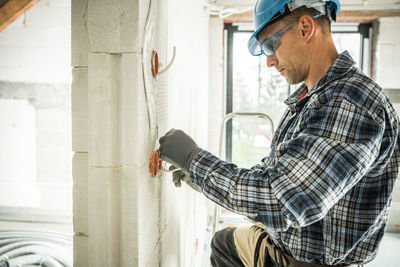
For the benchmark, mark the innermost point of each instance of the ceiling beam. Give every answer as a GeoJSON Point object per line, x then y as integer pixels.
{"type": "Point", "coordinates": [346, 15]}
{"type": "Point", "coordinates": [12, 10]}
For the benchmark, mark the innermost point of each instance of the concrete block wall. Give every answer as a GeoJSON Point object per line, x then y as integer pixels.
{"type": "Point", "coordinates": [115, 215]}
{"type": "Point", "coordinates": [80, 209]}
{"type": "Point", "coordinates": [80, 131]}
{"type": "Point", "coordinates": [122, 217]}
{"type": "Point", "coordinates": [18, 186]}
{"type": "Point", "coordinates": [35, 69]}
{"type": "Point", "coordinates": [35, 48]}
{"type": "Point", "coordinates": [387, 71]}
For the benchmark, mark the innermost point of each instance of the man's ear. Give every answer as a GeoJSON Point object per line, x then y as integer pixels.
{"type": "Point", "coordinates": [307, 27]}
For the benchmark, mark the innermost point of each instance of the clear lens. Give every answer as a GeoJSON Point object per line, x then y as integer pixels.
{"type": "Point", "coordinates": [254, 47]}
{"type": "Point", "coordinates": [270, 45]}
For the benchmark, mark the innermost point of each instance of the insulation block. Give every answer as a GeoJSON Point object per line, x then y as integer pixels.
{"type": "Point", "coordinates": [116, 26]}
{"type": "Point", "coordinates": [149, 221]}
{"type": "Point", "coordinates": [79, 109]}
{"type": "Point", "coordinates": [128, 194]}
{"type": "Point", "coordinates": [79, 35]}
{"type": "Point", "coordinates": [104, 109]}
{"type": "Point", "coordinates": [80, 209]}
{"type": "Point", "coordinates": [81, 250]}
{"type": "Point", "coordinates": [104, 217]}
{"type": "Point", "coordinates": [80, 193]}
{"type": "Point", "coordinates": [136, 145]}
{"type": "Point", "coordinates": [56, 196]}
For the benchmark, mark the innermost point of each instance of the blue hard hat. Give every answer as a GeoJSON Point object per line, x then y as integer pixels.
{"type": "Point", "coordinates": [265, 10]}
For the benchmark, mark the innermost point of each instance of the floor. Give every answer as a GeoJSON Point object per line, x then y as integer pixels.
{"type": "Point", "coordinates": [389, 252]}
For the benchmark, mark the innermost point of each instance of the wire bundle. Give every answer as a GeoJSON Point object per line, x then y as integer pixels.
{"type": "Point", "coordinates": [224, 12]}
{"type": "Point", "coordinates": [35, 248]}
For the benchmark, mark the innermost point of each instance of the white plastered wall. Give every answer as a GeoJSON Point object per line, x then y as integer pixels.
{"type": "Point", "coordinates": [387, 72]}
{"type": "Point", "coordinates": [122, 217]}
{"type": "Point", "coordinates": [188, 92]}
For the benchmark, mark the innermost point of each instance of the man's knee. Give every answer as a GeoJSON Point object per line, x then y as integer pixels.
{"type": "Point", "coordinates": [223, 250]}
{"type": "Point", "coordinates": [223, 238]}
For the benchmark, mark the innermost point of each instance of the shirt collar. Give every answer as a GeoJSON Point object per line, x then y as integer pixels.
{"type": "Point", "coordinates": [339, 68]}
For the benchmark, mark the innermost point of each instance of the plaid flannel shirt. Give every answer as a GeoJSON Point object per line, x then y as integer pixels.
{"type": "Point", "coordinates": [324, 191]}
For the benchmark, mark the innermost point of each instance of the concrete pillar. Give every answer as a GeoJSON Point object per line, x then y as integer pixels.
{"type": "Point", "coordinates": [79, 123]}
{"type": "Point", "coordinates": [116, 206]}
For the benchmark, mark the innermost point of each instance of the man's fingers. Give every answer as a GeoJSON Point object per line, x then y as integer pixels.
{"type": "Point", "coordinates": [172, 167]}
{"type": "Point", "coordinates": [178, 176]}
{"type": "Point", "coordinates": [176, 179]}
{"type": "Point", "coordinates": [162, 139]}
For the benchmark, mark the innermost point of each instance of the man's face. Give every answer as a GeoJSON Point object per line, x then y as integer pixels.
{"type": "Point", "coordinates": [288, 57]}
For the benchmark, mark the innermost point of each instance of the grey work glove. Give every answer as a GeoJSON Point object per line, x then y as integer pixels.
{"type": "Point", "coordinates": [179, 176]}
{"type": "Point", "coordinates": [178, 148]}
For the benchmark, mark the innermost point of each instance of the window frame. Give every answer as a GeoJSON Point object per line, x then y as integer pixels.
{"type": "Point", "coordinates": [230, 28]}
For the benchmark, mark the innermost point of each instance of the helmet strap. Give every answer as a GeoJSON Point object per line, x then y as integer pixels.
{"type": "Point", "coordinates": [320, 5]}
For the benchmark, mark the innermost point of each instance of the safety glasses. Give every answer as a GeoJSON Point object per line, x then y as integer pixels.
{"type": "Point", "coordinates": [272, 43]}
{"type": "Point", "coordinates": [269, 46]}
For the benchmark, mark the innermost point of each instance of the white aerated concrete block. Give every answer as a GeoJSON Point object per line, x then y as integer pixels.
{"type": "Point", "coordinates": [80, 193]}
{"type": "Point", "coordinates": [56, 196]}
{"type": "Point", "coordinates": [148, 217]}
{"type": "Point", "coordinates": [79, 35]}
{"type": "Point", "coordinates": [53, 166]}
{"type": "Point", "coordinates": [17, 142]}
{"type": "Point", "coordinates": [135, 130]}
{"type": "Point", "coordinates": [81, 251]}
{"type": "Point", "coordinates": [104, 217]}
{"type": "Point", "coordinates": [7, 54]}
{"type": "Point", "coordinates": [116, 26]}
{"type": "Point", "coordinates": [129, 207]}
{"type": "Point", "coordinates": [104, 109]}
{"type": "Point", "coordinates": [41, 36]}
{"type": "Point", "coordinates": [79, 110]}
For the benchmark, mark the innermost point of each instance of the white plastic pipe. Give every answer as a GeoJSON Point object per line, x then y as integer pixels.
{"type": "Point", "coordinates": [34, 260]}
{"type": "Point", "coordinates": [45, 248]}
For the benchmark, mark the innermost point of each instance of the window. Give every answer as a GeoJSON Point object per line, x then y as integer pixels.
{"type": "Point", "coordinates": [252, 87]}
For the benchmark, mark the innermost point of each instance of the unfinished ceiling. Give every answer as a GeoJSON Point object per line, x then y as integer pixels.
{"type": "Point", "coordinates": [351, 10]}
{"type": "Point", "coordinates": [369, 5]}
{"type": "Point", "coordinates": [346, 4]}
{"type": "Point", "coordinates": [10, 10]}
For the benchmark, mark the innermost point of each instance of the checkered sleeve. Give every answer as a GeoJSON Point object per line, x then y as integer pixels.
{"type": "Point", "coordinates": [335, 145]}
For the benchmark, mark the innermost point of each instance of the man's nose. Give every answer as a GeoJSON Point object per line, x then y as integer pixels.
{"type": "Point", "coordinates": [271, 61]}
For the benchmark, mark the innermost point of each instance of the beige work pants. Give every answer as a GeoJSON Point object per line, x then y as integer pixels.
{"type": "Point", "coordinates": [245, 239]}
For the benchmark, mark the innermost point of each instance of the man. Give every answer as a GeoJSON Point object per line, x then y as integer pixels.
{"type": "Point", "coordinates": [322, 196]}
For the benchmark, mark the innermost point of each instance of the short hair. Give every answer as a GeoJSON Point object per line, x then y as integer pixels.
{"type": "Point", "coordinates": [295, 15]}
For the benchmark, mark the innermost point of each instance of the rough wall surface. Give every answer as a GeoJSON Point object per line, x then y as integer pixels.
{"type": "Point", "coordinates": [122, 217]}
{"type": "Point", "coordinates": [184, 211]}
{"type": "Point", "coordinates": [110, 137]}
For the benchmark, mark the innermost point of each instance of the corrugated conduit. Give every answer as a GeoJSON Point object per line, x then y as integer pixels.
{"type": "Point", "coordinates": [32, 248]}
